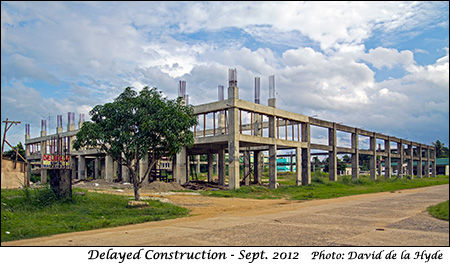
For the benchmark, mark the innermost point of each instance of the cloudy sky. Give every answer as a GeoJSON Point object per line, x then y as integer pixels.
{"type": "Point", "coordinates": [383, 66]}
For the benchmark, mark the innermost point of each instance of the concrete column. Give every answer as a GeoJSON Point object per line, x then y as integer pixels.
{"type": "Point", "coordinates": [256, 125]}
{"type": "Point", "coordinates": [210, 167]}
{"type": "Point", "coordinates": [355, 155]}
{"type": "Point", "coordinates": [109, 168]}
{"type": "Point", "coordinates": [81, 167]}
{"type": "Point", "coordinates": [59, 129]}
{"type": "Point", "coordinates": [233, 140]}
{"type": "Point", "coordinates": [70, 127]}
{"type": "Point", "coordinates": [221, 167]}
{"type": "Point", "coordinates": [246, 155]}
{"type": "Point", "coordinates": [427, 161]}
{"type": "Point", "coordinates": [332, 155]}
{"type": "Point", "coordinates": [180, 167]}
{"type": "Point", "coordinates": [402, 158]}
{"type": "Point", "coordinates": [125, 174]}
{"type": "Point", "coordinates": [102, 168]}
{"type": "Point", "coordinates": [433, 163]}
{"type": "Point", "coordinates": [233, 149]}
{"type": "Point", "coordinates": [221, 127]}
{"type": "Point", "coordinates": [373, 158]}
{"type": "Point", "coordinates": [116, 170]}
{"type": "Point", "coordinates": [43, 151]}
{"type": "Point", "coordinates": [273, 184]}
{"type": "Point", "coordinates": [197, 164]}
{"type": "Point", "coordinates": [258, 161]}
{"type": "Point", "coordinates": [298, 166]}
{"type": "Point", "coordinates": [143, 166]}
{"type": "Point", "coordinates": [291, 163]}
{"type": "Point", "coordinates": [411, 160]}
{"type": "Point", "coordinates": [73, 167]}
{"type": "Point", "coordinates": [27, 154]}
{"type": "Point", "coordinates": [306, 154]}
{"type": "Point", "coordinates": [419, 163]}
{"type": "Point", "coordinates": [387, 164]}
{"type": "Point", "coordinates": [96, 168]}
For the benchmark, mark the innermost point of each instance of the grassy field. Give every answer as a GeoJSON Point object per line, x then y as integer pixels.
{"type": "Point", "coordinates": [321, 188]}
{"type": "Point", "coordinates": [33, 213]}
{"type": "Point", "coordinates": [36, 212]}
{"type": "Point", "coordinates": [440, 210]}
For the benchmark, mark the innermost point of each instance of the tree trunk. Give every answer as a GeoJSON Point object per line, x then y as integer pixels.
{"type": "Point", "coordinates": [61, 183]}
{"type": "Point", "coordinates": [137, 190]}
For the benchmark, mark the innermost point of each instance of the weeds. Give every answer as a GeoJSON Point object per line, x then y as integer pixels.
{"type": "Point", "coordinates": [32, 213]}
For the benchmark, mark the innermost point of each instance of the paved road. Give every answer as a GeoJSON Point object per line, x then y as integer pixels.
{"type": "Point", "coordinates": [381, 219]}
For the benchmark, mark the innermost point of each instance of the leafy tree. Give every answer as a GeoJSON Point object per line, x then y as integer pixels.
{"type": "Point", "coordinates": [136, 125]}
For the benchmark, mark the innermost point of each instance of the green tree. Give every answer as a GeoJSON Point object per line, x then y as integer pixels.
{"type": "Point", "coordinates": [136, 125]}
{"type": "Point", "coordinates": [441, 150]}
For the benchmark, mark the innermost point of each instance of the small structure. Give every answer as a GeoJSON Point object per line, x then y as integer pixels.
{"type": "Point", "coordinates": [442, 167]}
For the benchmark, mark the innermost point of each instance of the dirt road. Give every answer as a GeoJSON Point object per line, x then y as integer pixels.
{"type": "Point", "coordinates": [381, 219]}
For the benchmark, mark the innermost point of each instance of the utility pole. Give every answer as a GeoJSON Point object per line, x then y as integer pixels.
{"type": "Point", "coordinates": [7, 127]}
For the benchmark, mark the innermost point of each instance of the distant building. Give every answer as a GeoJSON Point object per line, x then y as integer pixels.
{"type": "Point", "coordinates": [442, 166]}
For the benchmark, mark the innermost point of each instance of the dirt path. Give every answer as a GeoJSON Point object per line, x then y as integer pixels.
{"type": "Point", "coordinates": [381, 219]}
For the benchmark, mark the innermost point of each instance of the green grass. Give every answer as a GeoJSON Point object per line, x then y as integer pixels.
{"type": "Point", "coordinates": [440, 210]}
{"type": "Point", "coordinates": [34, 213]}
{"type": "Point", "coordinates": [322, 188]}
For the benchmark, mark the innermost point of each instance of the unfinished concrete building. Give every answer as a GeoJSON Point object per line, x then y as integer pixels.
{"type": "Point", "coordinates": [233, 128]}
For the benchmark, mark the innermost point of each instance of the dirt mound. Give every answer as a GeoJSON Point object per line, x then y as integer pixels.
{"type": "Point", "coordinates": [163, 186]}
{"type": "Point", "coordinates": [156, 186]}
{"type": "Point", "coordinates": [100, 184]}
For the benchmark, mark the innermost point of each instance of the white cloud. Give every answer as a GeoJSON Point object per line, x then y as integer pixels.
{"type": "Point", "coordinates": [387, 57]}
{"type": "Point", "coordinates": [98, 49]}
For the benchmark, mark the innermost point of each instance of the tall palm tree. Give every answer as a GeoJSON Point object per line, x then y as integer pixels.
{"type": "Point", "coordinates": [439, 146]}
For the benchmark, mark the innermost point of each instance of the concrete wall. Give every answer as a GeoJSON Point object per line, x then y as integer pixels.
{"type": "Point", "coordinates": [12, 178]}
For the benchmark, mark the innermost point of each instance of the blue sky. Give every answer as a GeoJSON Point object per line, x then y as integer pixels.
{"type": "Point", "coordinates": [378, 65]}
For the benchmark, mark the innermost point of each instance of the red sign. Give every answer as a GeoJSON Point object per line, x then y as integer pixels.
{"type": "Point", "coordinates": [55, 161]}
